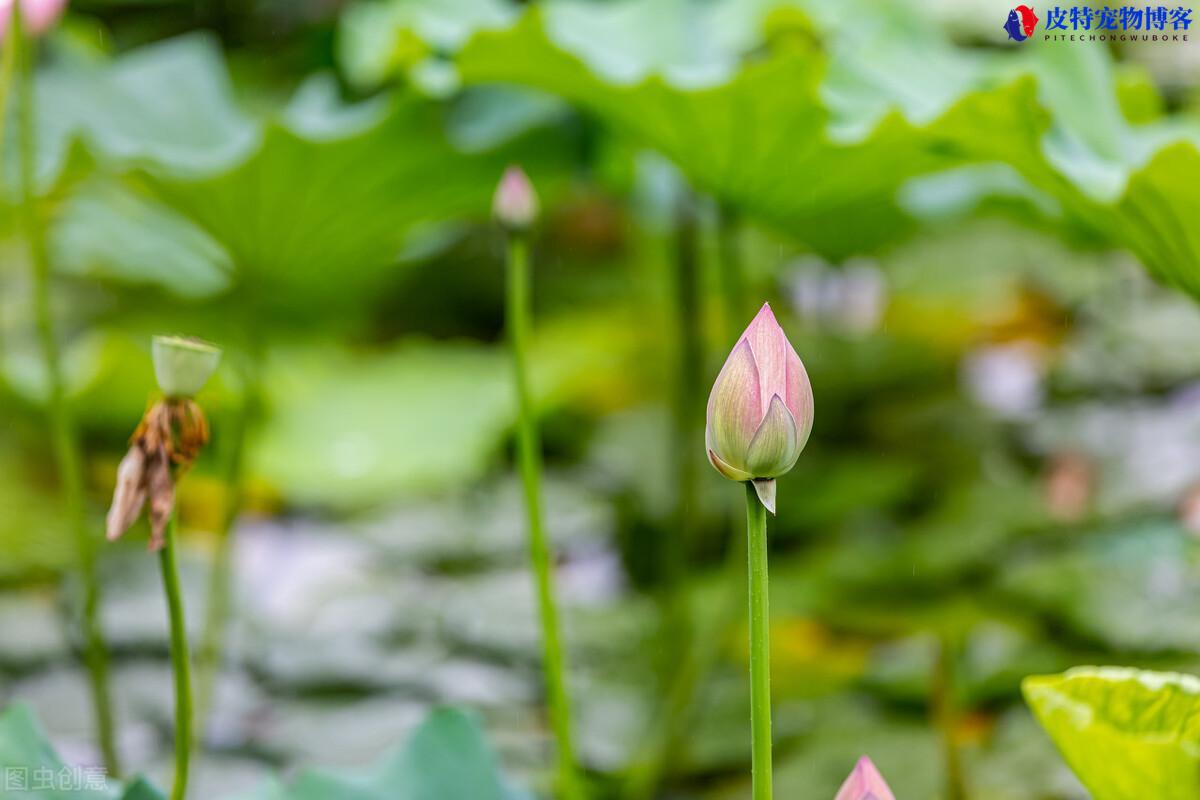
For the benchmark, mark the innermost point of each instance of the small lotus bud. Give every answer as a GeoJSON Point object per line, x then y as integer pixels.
{"type": "Point", "coordinates": [760, 411]}
{"type": "Point", "coordinates": [865, 783]}
{"type": "Point", "coordinates": [37, 16]}
{"type": "Point", "coordinates": [515, 205]}
{"type": "Point", "coordinates": [182, 366]}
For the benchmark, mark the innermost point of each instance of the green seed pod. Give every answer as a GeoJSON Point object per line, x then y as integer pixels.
{"type": "Point", "coordinates": [182, 365]}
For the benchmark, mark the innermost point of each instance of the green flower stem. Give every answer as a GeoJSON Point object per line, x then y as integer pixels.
{"type": "Point", "coordinates": [8, 64]}
{"type": "Point", "coordinates": [209, 656]}
{"type": "Point", "coordinates": [760, 645]}
{"type": "Point", "coordinates": [669, 731]}
{"type": "Point", "coordinates": [733, 281]}
{"type": "Point", "coordinates": [529, 456]}
{"type": "Point", "coordinates": [64, 441]}
{"type": "Point", "coordinates": [216, 611]}
{"type": "Point", "coordinates": [689, 407]}
{"type": "Point", "coordinates": [180, 663]}
{"type": "Point", "coordinates": [945, 710]}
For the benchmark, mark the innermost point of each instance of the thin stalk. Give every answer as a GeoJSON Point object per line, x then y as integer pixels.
{"type": "Point", "coordinates": [210, 653]}
{"type": "Point", "coordinates": [688, 410]}
{"type": "Point", "coordinates": [668, 732]}
{"type": "Point", "coordinates": [180, 663]}
{"type": "Point", "coordinates": [945, 711]}
{"type": "Point", "coordinates": [8, 63]}
{"type": "Point", "coordinates": [209, 656]}
{"type": "Point", "coordinates": [760, 645]}
{"type": "Point", "coordinates": [733, 282]}
{"type": "Point", "coordinates": [64, 441]}
{"type": "Point", "coordinates": [529, 455]}
{"type": "Point", "coordinates": [676, 636]}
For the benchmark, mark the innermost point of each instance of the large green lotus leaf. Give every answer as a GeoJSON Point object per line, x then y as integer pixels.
{"type": "Point", "coordinates": [760, 139]}
{"type": "Point", "coordinates": [1120, 184]}
{"type": "Point", "coordinates": [1127, 734]}
{"type": "Point", "coordinates": [307, 209]}
{"type": "Point", "coordinates": [447, 758]}
{"type": "Point", "coordinates": [820, 143]}
{"type": "Point", "coordinates": [1131, 186]}
{"type": "Point", "coordinates": [31, 768]}
{"type": "Point", "coordinates": [377, 39]}
{"type": "Point", "coordinates": [169, 102]}
{"type": "Point", "coordinates": [1159, 211]}
{"type": "Point", "coordinates": [103, 231]}
{"type": "Point", "coordinates": [321, 210]}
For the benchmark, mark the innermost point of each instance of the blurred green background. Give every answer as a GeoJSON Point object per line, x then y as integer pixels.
{"type": "Point", "coordinates": [966, 239]}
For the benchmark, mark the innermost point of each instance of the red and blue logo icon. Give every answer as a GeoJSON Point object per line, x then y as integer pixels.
{"type": "Point", "coordinates": [1021, 22]}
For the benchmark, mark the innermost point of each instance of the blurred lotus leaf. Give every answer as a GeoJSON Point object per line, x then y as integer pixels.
{"type": "Point", "coordinates": [26, 754]}
{"type": "Point", "coordinates": [305, 211]}
{"type": "Point", "coordinates": [145, 243]}
{"type": "Point", "coordinates": [808, 142]}
{"type": "Point", "coordinates": [446, 757]}
{"type": "Point", "coordinates": [350, 430]}
{"type": "Point", "coordinates": [376, 40]}
{"type": "Point", "coordinates": [1132, 587]}
{"type": "Point", "coordinates": [164, 103]}
{"type": "Point", "coordinates": [757, 136]}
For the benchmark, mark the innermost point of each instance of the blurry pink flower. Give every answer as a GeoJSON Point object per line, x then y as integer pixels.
{"type": "Point", "coordinates": [760, 411]}
{"type": "Point", "coordinates": [515, 205]}
{"type": "Point", "coordinates": [865, 783]}
{"type": "Point", "coordinates": [37, 16]}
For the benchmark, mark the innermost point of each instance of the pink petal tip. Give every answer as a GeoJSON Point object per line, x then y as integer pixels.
{"type": "Point", "coordinates": [865, 783]}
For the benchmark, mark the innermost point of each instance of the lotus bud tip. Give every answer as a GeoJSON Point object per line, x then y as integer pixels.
{"type": "Point", "coordinates": [865, 783]}
{"type": "Point", "coordinates": [37, 16]}
{"type": "Point", "coordinates": [515, 205]}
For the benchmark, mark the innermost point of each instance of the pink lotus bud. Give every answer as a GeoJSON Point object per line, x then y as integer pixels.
{"type": "Point", "coordinates": [515, 205]}
{"type": "Point", "coordinates": [865, 783]}
{"type": "Point", "coordinates": [37, 16]}
{"type": "Point", "coordinates": [760, 411]}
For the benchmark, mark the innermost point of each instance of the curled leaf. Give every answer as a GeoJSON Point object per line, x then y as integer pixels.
{"type": "Point", "coordinates": [160, 491]}
{"type": "Point", "coordinates": [129, 495]}
{"type": "Point", "coordinates": [166, 442]}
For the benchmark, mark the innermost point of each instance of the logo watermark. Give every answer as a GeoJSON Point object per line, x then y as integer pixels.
{"type": "Point", "coordinates": [1021, 23]}
{"type": "Point", "coordinates": [46, 779]}
{"type": "Point", "coordinates": [1100, 24]}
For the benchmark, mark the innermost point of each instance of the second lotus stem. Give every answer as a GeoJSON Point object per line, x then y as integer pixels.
{"type": "Point", "coordinates": [945, 712]}
{"type": "Point", "coordinates": [210, 654]}
{"type": "Point", "coordinates": [529, 458]}
{"type": "Point", "coordinates": [64, 441]}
